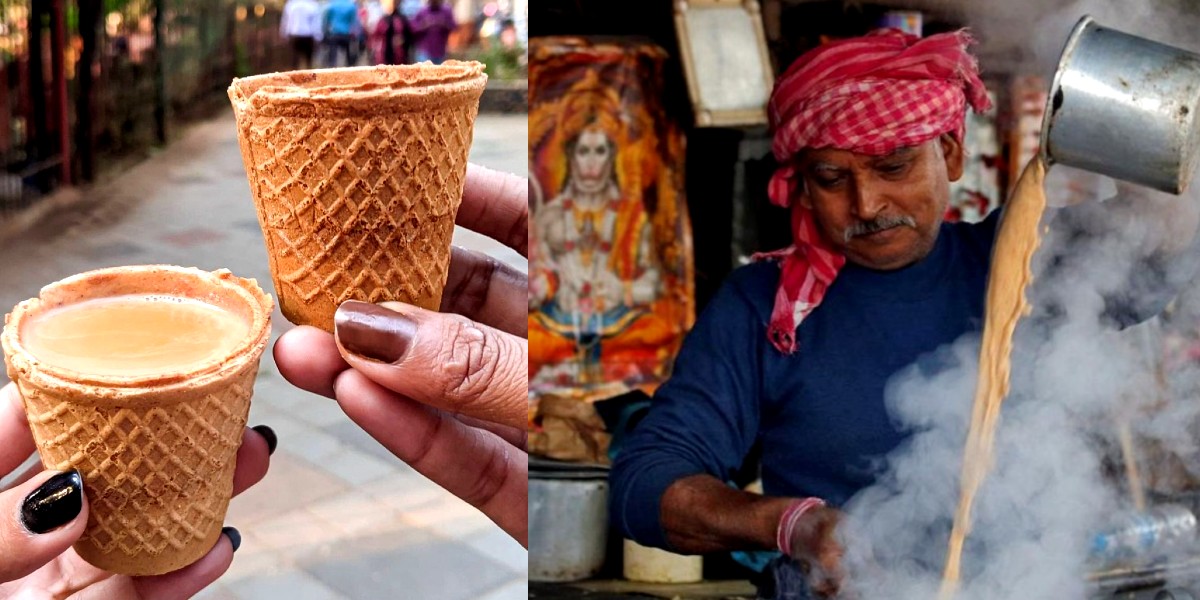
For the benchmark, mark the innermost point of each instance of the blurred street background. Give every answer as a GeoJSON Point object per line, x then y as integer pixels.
{"type": "Point", "coordinates": [118, 147]}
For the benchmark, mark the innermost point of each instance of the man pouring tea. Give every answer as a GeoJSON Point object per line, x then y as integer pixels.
{"type": "Point", "coordinates": [793, 354]}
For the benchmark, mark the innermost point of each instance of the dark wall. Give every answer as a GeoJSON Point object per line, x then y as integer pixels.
{"type": "Point", "coordinates": [805, 23]}
{"type": "Point", "coordinates": [649, 19]}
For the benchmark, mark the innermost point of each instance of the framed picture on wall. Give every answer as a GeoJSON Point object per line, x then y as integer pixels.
{"type": "Point", "coordinates": [725, 60]}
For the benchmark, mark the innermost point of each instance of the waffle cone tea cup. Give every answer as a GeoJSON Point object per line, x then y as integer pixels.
{"type": "Point", "coordinates": [357, 174]}
{"type": "Point", "coordinates": [157, 448]}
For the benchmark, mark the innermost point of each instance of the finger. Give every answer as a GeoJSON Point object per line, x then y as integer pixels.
{"type": "Point", "coordinates": [309, 359]}
{"type": "Point", "coordinates": [828, 571]}
{"type": "Point", "coordinates": [253, 459]}
{"type": "Point", "coordinates": [822, 583]}
{"type": "Point", "coordinates": [829, 580]}
{"type": "Point", "coordinates": [484, 289]}
{"type": "Point", "coordinates": [496, 204]}
{"type": "Point", "coordinates": [825, 591]}
{"type": "Point", "coordinates": [188, 581]}
{"type": "Point", "coordinates": [445, 361]}
{"type": "Point", "coordinates": [474, 465]}
{"type": "Point", "coordinates": [39, 520]}
{"type": "Point", "coordinates": [516, 437]}
{"type": "Point", "coordinates": [14, 430]}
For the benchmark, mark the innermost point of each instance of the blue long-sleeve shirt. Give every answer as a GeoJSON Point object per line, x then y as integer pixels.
{"type": "Point", "coordinates": [819, 413]}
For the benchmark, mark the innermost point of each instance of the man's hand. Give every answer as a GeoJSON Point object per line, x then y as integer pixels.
{"type": "Point", "coordinates": [814, 546]}
{"type": "Point", "coordinates": [700, 514]}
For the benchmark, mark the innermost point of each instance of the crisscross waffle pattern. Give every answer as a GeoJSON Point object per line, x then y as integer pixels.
{"type": "Point", "coordinates": [158, 479]}
{"type": "Point", "coordinates": [357, 208]}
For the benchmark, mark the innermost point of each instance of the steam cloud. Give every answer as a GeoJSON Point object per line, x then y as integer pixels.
{"type": "Point", "coordinates": [1074, 374]}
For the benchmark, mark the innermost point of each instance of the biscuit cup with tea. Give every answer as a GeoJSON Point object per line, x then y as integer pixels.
{"type": "Point", "coordinates": [141, 378]}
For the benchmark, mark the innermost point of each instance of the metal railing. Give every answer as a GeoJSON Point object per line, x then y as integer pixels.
{"type": "Point", "coordinates": [84, 83]}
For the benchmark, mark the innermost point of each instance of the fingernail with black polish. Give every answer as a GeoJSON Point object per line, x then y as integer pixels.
{"type": "Point", "coordinates": [372, 331]}
{"type": "Point", "coordinates": [234, 536]}
{"type": "Point", "coordinates": [54, 504]}
{"type": "Point", "coordinates": [269, 435]}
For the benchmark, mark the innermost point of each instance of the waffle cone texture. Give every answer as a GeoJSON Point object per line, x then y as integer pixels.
{"type": "Point", "coordinates": [157, 452]}
{"type": "Point", "coordinates": [357, 175]}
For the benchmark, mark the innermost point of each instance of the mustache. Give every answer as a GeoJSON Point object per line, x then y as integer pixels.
{"type": "Point", "coordinates": [880, 223]}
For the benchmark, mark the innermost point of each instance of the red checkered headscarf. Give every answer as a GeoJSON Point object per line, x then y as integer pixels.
{"type": "Point", "coordinates": [871, 95]}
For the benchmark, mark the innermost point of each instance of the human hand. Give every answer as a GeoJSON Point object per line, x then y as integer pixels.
{"type": "Point", "coordinates": [444, 391]}
{"type": "Point", "coordinates": [44, 512]}
{"type": "Point", "coordinates": [807, 535]}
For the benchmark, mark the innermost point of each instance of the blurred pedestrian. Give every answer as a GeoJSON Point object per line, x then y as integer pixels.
{"type": "Point", "coordinates": [370, 13]}
{"type": "Point", "coordinates": [363, 29]}
{"type": "Point", "coordinates": [341, 27]}
{"type": "Point", "coordinates": [432, 26]}
{"type": "Point", "coordinates": [391, 39]}
{"type": "Point", "coordinates": [508, 34]}
{"type": "Point", "coordinates": [301, 27]}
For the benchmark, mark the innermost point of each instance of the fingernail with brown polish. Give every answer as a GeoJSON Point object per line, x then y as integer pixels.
{"type": "Point", "coordinates": [372, 331]}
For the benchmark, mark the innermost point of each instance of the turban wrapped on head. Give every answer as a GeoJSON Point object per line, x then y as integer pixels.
{"type": "Point", "coordinates": [872, 95]}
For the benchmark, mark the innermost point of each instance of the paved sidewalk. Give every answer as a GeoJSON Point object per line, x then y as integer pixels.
{"type": "Point", "coordinates": [337, 517]}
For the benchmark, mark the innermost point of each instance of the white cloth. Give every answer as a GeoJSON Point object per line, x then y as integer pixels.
{"type": "Point", "coordinates": [301, 18]}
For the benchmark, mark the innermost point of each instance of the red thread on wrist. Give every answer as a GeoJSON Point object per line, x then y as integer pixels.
{"type": "Point", "coordinates": [787, 521]}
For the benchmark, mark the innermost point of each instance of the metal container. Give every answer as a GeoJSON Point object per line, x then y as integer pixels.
{"type": "Point", "coordinates": [1175, 579]}
{"type": "Point", "coordinates": [568, 525]}
{"type": "Point", "coordinates": [1125, 107]}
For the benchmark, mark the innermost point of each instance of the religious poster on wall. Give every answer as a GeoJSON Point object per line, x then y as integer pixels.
{"type": "Point", "coordinates": [611, 284]}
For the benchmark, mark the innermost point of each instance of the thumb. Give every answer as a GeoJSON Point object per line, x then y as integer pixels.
{"type": "Point", "coordinates": [443, 360]}
{"type": "Point", "coordinates": [39, 520]}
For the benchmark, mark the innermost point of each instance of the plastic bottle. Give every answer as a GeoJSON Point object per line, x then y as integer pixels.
{"type": "Point", "coordinates": [1152, 533]}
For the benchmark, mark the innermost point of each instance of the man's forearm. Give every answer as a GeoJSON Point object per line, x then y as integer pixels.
{"type": "Point", "coordinates": [700, 514]}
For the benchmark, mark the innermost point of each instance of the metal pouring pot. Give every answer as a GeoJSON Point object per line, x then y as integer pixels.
{"type": "Point", "coordinates": [1125, 107]}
